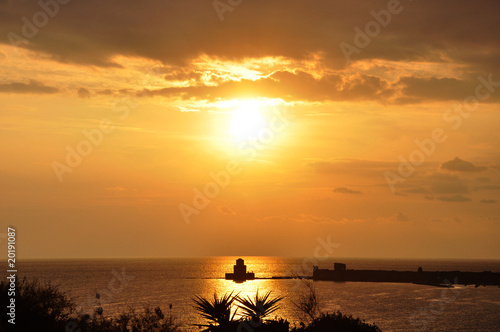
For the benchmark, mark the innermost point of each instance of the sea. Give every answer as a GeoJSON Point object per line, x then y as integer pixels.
{"type": "Point", "coordinates": [120, 285]}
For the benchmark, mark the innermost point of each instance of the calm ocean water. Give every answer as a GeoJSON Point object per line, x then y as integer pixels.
{"type": "Point", "coordinates": [134, 283]}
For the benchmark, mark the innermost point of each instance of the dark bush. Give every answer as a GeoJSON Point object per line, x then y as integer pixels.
{"type": "Point", "coordinates": [338, 323]}
{"type": "Point", "coordinates": [44, 308]}
{"type": "Point", "coordinates": [277, 325]}
{"type": "Point", "coordinates": [39, 307]}
{"type": "Point", "coordinates": [151, 320]}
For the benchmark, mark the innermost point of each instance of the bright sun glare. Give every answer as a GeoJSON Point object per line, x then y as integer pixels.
{"type": "Point", "coordinates": [246, 121]}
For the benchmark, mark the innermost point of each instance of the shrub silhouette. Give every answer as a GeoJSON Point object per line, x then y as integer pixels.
{"type": "Point", "coordinates": [337, 322]}
{"type": "Point", "coordinates": [217, 311]}
{"type": "Point", "coordinates": [153, 319]}
{"type": "Point", "coordinates": [260, 307]}
{"type": "Point", "coordinates": [44, 308]}
{"type": "Point", "coordinates": [308, 304]}
{"type": "Point", "coordinates": [39, 307]}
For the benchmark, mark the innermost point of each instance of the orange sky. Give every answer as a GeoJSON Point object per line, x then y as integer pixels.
{"type": "Point", "coordinates": [374, 123]}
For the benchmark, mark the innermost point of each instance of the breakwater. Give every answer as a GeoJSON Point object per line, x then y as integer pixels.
{"type": "Point", "coordinates": [435, 278]}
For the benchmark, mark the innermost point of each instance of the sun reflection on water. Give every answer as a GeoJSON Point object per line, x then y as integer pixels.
{"type": "Point", "coordinates": [249, 289]}
{"type": "Point", "coordinates": [263, 267]}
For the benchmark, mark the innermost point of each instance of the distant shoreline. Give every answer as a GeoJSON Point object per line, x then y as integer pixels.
{"type": "Point", "coordinates": [432, 278]}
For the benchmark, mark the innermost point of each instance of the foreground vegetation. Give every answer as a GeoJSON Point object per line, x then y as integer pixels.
{"type": "Point", "coordinates": [44, 308]}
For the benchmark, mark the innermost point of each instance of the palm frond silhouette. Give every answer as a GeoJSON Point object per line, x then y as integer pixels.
{"type": "Point", "coordinates": [217, 310]}
{"type": "Point", "coordinates": [259, 307]}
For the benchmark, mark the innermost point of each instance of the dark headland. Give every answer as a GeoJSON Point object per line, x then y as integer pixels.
{"type": "Point", "coordinates": [435, 278]}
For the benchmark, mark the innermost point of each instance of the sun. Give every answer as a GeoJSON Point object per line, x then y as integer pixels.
{"type": "Point", "coordinates": [247, 120]}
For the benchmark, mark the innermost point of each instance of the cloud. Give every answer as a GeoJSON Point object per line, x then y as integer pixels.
{"type": "Point", "coordinates": [449, 188]}
{"type": "Point", "coordinates": [455, 198]}
{"type": "Point", "coordinates": [323, 220]}
{"type": "Point", "coordinates": [432, 88]}
{"type": "Point", "coordinates": [226, 210]}
{"type": "Point", "coordinates": [83, 93]}
{"type": "Point", "coordinates": [442, 183]}
{"type": "Point", "coordinates": [288, 85]}
{"type": "Point", "coordinates": [343, 166]}
{"type": "Point", "coordinates": [483, 179]}
{"type": "Point", "coordinates": [343, 190]}
{"type": "Point", "coordinates": [176, 31]}
{"type": "Point", "coordinates": [459, 165]}
{"type": "Point", "coordinates": [179, 73]}
{"type": "Point", "coordinates": [489, 201]}
{"type": "Point", "coordinates": [105, 92]}
{"type": "Point", "coordinates": [446, 220]}
{"type": "Point", "coordinates": [398, 217]}
{"type": "Point", "coordinates": [488, 187]}
{"type": "Point", "coordinates": [417, 190]}
{"type": "Point", "coordinates": [311, 65]}
{"type": "Point", "coordinates": [295, 83]}
{"type": "Point", "coordinates": [308, 218]}
{"type": "Point", "coordinates": [32, 87]}
{"type": "Point", "coordinates": [117, 188]}
{"type": "Point", "coordinates": [401, 217]}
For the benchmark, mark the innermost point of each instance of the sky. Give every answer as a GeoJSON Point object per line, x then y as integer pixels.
{"type": "Point", "coordinates": [200, 128]}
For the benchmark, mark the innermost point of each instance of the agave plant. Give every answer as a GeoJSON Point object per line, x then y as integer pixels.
{"type": "Point", "coordinates": [259, 307]}
{"type": "Point", "coordinates": [216, 311]}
